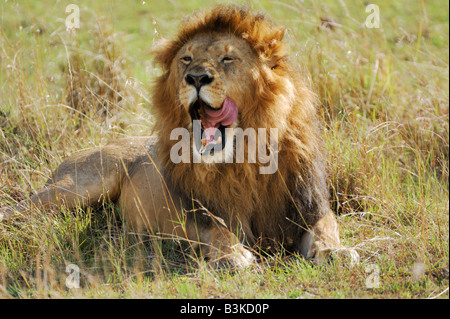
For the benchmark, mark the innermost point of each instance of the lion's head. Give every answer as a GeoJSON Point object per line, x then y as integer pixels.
{"type": "Point", "coordinates": [228, 67]}
{"type": "Point", "coordinates": [224, 66]}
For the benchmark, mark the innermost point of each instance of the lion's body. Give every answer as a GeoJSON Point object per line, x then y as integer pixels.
{"type": "Point", "coordinates": [289, 207]}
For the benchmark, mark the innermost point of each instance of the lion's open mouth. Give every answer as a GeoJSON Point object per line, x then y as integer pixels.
{"type": "Point", "coordinates": [213, 123]}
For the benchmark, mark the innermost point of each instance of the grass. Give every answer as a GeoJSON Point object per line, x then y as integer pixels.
{"type": "Point", "coordinates": [384, 100]}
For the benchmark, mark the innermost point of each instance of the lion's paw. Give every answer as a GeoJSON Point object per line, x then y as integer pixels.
{"type": "Point", "coordinates": [346, 254]}
{"type": "Point", "coordinates": [238, 258]}
{"type": "Point", "coordinates": [242, 257]}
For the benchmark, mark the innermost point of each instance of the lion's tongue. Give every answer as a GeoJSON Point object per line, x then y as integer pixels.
{"type": "Point", "coordinates": [214, 118]}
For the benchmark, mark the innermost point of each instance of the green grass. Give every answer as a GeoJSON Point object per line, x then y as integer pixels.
{"type": "Point", "coordinates": [384, 100]}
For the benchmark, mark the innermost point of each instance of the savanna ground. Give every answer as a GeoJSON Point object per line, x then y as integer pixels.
{"type": "Point", "coordinates": [384, 101]}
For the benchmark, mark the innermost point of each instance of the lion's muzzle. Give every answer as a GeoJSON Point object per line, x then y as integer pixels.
{"type": "Point", "coordinates": [198, 80]}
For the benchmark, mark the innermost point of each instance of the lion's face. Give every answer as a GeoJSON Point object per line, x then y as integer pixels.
{"type": "Point", "coordinates": [214, 75]}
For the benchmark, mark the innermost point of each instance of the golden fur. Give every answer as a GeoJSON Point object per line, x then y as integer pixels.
{"type": "Point", "coordinates": [289, 207]}
{"type": "Point", "coordinates": [282, 100]}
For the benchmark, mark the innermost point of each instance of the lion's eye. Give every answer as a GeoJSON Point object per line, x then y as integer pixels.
{"type": "Point", "coordinates": [227, 59]}
{"type": "Point", "coordinates": [186, 60]}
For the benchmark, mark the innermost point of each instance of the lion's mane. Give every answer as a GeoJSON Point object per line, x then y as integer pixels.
{"type": "Point", "coordinates": [278, 206]}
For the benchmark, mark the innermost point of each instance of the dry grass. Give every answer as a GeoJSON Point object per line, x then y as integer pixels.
{"type": "Point", "coordinates": [385, 103]}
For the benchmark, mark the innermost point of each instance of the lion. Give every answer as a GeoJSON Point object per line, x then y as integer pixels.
{"type": "Point", "coordinates": [226, 68]}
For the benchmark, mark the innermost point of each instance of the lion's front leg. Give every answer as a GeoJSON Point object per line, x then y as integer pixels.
{"type": "Point", "coordinates": [318, 242]}
{"type": "Point", "coordinates": [323, 240]}
{"type": "Point", "coordinates": [150, 203]}
{"type": "Point", "coordinates": [217, 243]}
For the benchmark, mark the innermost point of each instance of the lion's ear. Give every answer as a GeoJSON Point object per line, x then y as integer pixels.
{"type": "Point", "coordinates": [280, 33]}
{"type": "Point", "coordinates": [164, 52]}
{"type": "Point", "coordinates": [275, 52]}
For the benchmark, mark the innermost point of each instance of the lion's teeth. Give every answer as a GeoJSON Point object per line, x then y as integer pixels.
{"type": "Point", "coordinates": [205, 143]}
{"type": "Point", "coordinates": [202, 149]}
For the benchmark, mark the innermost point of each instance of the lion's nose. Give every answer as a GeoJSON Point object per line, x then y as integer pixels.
{"type": "Point", "coordinates": [198, 80]}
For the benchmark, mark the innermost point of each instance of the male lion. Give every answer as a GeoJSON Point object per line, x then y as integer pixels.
{"type": "Point", "coordinates": [228, 68]}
